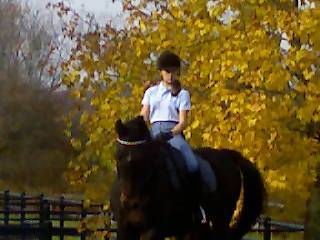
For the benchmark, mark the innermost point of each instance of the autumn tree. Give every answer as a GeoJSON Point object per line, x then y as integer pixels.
{"type": "Point", "coordinates": [34, 150]}
{"type": "Point", "coordinates": [252, 68]}
{"type": "Point", "coordinates": [33, 40]}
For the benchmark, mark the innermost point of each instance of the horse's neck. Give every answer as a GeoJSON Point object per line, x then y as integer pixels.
{"type": "Point", "coordinates": [162, 155]}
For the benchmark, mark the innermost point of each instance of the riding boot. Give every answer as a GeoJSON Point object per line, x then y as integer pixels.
{"type": "Point", "coordinates": [195, 185]}
{"type": "Point", "coordinates": [195, 194]}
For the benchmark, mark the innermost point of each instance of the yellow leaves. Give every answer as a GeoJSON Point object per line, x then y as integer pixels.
{"type": "Point", "coordinates": [203, 32]}
{"type": "Point", "coordinates": [71, 77]}
{"type": "Point", "coordinates": [192, 35]}
{"type": "Point", "coordinates": [308, 74]}
{"type": "Point", "coordinates": [76, 93]}
{"type": "Point", "coordinates": [255, 107]}
{"type": "Point", "coordinates": [272, 139]}
{"type": "Point", "coordinates": [252, 122]}
{"type": "Point", "coordinates": [177, 13]}
{"type": "Point", "coordinates": [237, 76]}
{"type": "Point", "coordinates": [250, 51]}
{"type": "Point", "coordinates": [276, 180]}
{"type": "Point", "coordinates": [278, 79]}
{"type": "Point", "coordinates": [306, 112]}
{"type": "Point", "coordinates": [206, 137]}
{"type": "Point", "coordinates": [246, 151]}
{"type": "Point", "coordinates": [243, 67]}
{"type": "Point", "coordinates": [228, 74]}
{"type": "Point", "coordinates": [163, 35]}
{"type": "Point", "coordinates": [247, 12]}
{"type": "Point", "coordinates": [265, 53]}
{"type": "Point", "coordinates": [299, 55]}
{"type": "Point", "coordinates": [187, 133]}
{"type": "Point", "coordinates": [138, 51]}
{"type": "Point", "coordinates": [217, 10]}
{"type": "Point", "coordinates": [76, 143]}
{"type": "Point", "coordinates": [195, 124]}
{"type": "Point", "coordinates": [166, 44]}
{"type": "Point", "coordinates": [200, 24]}
{"type": "Point", "coordinates": [123, 68]}
{"type": "Point", "coordinates": [142, 26]}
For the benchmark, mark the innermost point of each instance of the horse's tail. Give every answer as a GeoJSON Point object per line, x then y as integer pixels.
{"type": "Point", "coordinates": [253, 196]}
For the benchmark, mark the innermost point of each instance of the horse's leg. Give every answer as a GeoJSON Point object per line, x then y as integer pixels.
{"type": "Point", "coordinates": [124, 232]}
{"type": "Point", "coordinates": [204, 232]}
{"type": "Point", "coordinates": [151, 234]}
{"type": "Point", "coordinates": [219, 214]}
{"type": "Point", "coordinates": [221, 228]}
{"type": "Point", "coordinates": [198, 232]}
{"type": "Point", "coordinates": [188, 236]}
{"type": "Point", "coordinates": [221, 231]}
{"type": "Point", "coordinates": [127, 234]}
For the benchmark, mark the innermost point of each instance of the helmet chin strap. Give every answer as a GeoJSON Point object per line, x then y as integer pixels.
{"type": "Point", "coordinates": [131, 143]}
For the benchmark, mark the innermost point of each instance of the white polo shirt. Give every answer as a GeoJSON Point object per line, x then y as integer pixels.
{"type": "Point", "coordinates": [164, 106]}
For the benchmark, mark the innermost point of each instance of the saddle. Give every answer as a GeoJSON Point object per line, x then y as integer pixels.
{"type": "Point", "coordinates": [176, 165]}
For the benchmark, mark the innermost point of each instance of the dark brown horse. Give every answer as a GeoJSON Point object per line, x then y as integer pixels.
{"type": "Point", "coordinates": [147, 205]}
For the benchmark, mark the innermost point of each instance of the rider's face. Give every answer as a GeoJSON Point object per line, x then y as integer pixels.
{"type": "Point", "coordinates": [168, 76]}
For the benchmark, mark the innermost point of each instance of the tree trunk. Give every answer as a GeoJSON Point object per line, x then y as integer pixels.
{"type": "Point", "coordinates": [312, 221]}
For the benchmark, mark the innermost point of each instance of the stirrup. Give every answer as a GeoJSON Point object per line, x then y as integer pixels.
{"type": "Point", "coordinates": [203, 215]}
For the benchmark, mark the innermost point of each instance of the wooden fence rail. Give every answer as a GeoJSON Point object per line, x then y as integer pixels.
{"type": "Point", "coordinates": [44, 217]}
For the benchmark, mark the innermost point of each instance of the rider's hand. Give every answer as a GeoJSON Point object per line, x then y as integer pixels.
{"type": "Point", "coordinates": [164, 136]}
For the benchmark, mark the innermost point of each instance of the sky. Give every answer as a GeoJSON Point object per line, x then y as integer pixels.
{"type": "Point", "coordinates": [104, 10]}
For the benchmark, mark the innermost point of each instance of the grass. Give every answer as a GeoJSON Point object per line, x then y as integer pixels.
{"type": "Point", "coordinates": [74, 224]}
{"type": "Point", "coordinates": [276, 236]}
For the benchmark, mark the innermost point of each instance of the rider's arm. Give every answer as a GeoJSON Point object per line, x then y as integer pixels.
{"type": "Point", "coordinates": [182, 122]}
{"type": "Point", "coordinates": [184, 108]}
{"type": "Point", "coordinates": [145, 112]}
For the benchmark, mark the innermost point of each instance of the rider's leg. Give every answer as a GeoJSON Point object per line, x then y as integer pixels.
{"type": "Point", "coordinates": [179, 142]}
{"type": "Point", "coordinates": [182, 145]}
{"type": "Point", "coordinates": [192, 164]}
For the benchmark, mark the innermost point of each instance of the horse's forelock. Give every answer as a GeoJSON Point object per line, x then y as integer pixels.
{"type": "Point", "coordinates": [135, 128]}
{"type": "Point", "coordinates": [120, 128]}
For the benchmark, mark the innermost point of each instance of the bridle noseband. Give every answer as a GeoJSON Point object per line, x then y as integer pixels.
{"type": "Point", "coordinates": [131, 143]}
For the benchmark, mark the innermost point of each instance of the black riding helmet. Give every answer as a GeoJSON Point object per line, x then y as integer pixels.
{"type": "Point", "coordinates": [170, 62]}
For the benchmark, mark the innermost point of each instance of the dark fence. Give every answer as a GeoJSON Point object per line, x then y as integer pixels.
{"type": "Point", "coordinates": [43, 217]}
{"type": "Point", "coordinates": [266, 226]}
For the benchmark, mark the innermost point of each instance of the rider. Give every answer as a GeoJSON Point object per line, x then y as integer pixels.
{"type": "Point", "coordinates": [166, 105]}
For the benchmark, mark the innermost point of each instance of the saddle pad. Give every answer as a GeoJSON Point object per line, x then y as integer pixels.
{"type": "Point", "coordinates": [176, 166]}
{"type": "Point", "coordinates": [208, 177]}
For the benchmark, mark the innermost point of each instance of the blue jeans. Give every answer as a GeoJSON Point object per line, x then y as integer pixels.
{"type": "Point", "coordinates": [177, 142]}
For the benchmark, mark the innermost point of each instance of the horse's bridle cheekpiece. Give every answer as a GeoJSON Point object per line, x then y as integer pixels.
{"type": "Point", "coordinates": [131, 143]}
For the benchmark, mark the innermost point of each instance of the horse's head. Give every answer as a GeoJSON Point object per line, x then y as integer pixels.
{"type": "Point", "coordinates": [133, 155]}
{"type": "Point", "coordinates": [133, 132]}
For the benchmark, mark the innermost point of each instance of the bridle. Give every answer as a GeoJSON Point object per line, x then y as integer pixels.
{"type": "Point", "coordinates": [131, 143]}
{"type": "Point", "coordinates": [150, 174]}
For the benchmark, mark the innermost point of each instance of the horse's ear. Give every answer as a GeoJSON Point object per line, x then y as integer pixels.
{"type": "Point", "coordinates": [120, 128]}
{"type": "Point", "coordinates": [142, 124]}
